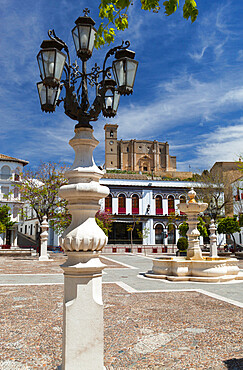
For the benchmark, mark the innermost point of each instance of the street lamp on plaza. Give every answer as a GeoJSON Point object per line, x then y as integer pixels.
{"type": "Point", "coordinates": [54, 59]}
{"type": "Point", "coordinates": [83, 240]}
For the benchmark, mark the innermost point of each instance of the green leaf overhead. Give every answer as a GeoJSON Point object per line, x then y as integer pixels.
{"type": "Point", "coordinates": [114, 15]}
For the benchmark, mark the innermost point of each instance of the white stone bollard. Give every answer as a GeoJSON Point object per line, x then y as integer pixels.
{"type": "Point", "coordinates": [44, 238]}
{"type": "Point", "coordinates": [213, 240]}
{"type": "Point", "coordinates": [83, 339]}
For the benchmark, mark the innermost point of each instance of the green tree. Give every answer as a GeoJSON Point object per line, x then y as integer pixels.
{"type": "Point", "coordinates": [104, 221]}
{"type": "Point", "coordinates": [5, 219]}
{"type": "Point", "coordinates": [182, 244]}
{"type": "Point", "coordinates": [215, 190]}
{"type": "Point", "coordinates": [131, 227]}
{"type": "Point", "coordinates": [61, 219]}
{"type": "Point", "coordinates": [114, 14]}
{"type": "Point", "coordinates": [229, 225]}
{"type": "Point", "coordinates": [40, 190]}
{"type": "Point", "coordinates": [202, 228]}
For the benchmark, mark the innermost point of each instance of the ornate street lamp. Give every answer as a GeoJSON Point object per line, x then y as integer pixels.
{"type": "Point", "coordinates": [84, 36]}
{"type": "Point", "coordinates": [53, 61]}
{"type": "Point", "coordinates": [83, 240]}
{"type": "Point", "coordinates": [125, 68]}
{"type": "Point", "coordinates": [48, 96]}
{"type": "Point", "coordinates": [112, 98]}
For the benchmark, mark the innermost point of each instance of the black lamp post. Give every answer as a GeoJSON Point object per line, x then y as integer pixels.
{"type": "Point", "coordinates": [54, 59]}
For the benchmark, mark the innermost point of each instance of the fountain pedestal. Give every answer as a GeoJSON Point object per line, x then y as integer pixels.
{"type": "Point", "coordinates": [195, 267]}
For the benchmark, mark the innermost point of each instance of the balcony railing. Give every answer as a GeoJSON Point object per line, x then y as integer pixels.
{"type": "Point", "coordinates": [159, 211]}
{"type": "Point", "coordinates": [5, 176]}
{"type": "Point", "coordinates": [9, 198]}
{"type": "Point", "coordinates": [135, 211]}
{"type": "Point", "coordinates": [121, 211]}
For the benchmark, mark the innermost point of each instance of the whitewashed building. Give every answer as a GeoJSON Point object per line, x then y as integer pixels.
{"type": "Point", "coordinates": [10, 175]}
{"type": "Point", "coordinates": [152, 206]}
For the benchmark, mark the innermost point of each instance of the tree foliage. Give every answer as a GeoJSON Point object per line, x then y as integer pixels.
{"type": "Point", "coordinates": [182, 244]}
{"type": "Point", "coordinates": [114, 14]}
{"type": "Point", "coordinates": [229, 225]}
{"type": "Point", "coordinates": [216, 191]}
{"type": "Point", "coordinates": [201, 226]}
{"type": "Point", "coordinates": [104, 221]}
{"type": "Point", "coordinates": [40, 190]}
{"type": "Point", "coordinates": [5, 219]}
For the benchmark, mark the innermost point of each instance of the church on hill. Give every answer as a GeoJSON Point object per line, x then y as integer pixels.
{"type": "Point", "coordinates": [139, 155]}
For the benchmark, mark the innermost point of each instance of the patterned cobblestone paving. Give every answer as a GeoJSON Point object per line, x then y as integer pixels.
{"type": "Point", "coordinates": [142, 330]}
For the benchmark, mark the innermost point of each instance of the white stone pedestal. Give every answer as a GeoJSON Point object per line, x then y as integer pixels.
{"type": "Point", "coordinates": [82, 241]}
{"type": "Point", "coordinates": [192, 209]}
{"type": "Point", "coordinates": [213, 240]}
{"type": "Point", "coordinates": [83, 312]}
{"type": "Point", "coordinates": [44, 237]}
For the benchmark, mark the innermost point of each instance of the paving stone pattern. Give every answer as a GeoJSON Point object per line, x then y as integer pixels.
{"type": "Point", "coordinates": [142, 330]}
{"type": "Point", "coordinates": [32, 265]}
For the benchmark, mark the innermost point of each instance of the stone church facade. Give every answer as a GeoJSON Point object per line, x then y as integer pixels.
{"type": "Point", "coordinates": [136, 155]}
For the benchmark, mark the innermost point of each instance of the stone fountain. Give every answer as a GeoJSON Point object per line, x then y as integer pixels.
{"type": "Point", "coordinates": [195, 266]}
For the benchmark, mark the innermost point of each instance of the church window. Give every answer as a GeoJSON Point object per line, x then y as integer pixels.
{"type": "Point", "coordinates": [121, 204]}
{"type": "Point", "coordinates": [108, 204]}
{"type": "Point", "coordinates": [111, 133]}
{"type": "Point", "coordinates": [111, 162]}
{"type": "Point", "coordinates": [111, 150]}
{"type": "Point", "coordinates": [135, 204]}
{"type": "Point", "coordinates": [127, 149]}
{"type": "Point", "coordinates": [158, 204]}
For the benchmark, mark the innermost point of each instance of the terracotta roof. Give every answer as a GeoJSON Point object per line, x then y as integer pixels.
{"type": "Point", "coordinates": [12, 159]}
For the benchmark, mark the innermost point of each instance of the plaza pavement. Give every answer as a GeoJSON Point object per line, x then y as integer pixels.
{"type": "Point", "coordinates": [149, 323]}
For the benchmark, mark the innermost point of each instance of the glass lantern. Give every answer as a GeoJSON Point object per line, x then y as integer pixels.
{"type": "Point", "coordinates": [124, 69]}
{"type": "Point", "coordinates": [48, 96]}
{"type": "Point", "coordinates": [51, 62]}
{"type": "Point", "coordinates": [84, 37]}
{"type": "Point", "coordinates": [111, 100]}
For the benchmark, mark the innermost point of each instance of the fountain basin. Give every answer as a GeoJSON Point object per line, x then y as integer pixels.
{"type": "Point", "coordinates": [208, 269]}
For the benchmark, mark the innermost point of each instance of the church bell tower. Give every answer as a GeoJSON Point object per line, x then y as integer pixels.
{"type": "Point", "coordinates": [111, 157]}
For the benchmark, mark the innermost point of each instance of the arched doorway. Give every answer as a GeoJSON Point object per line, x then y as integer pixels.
{"type": "Point", "coordinates": [171, 234]}
{"type": "Point", "coordinates": [159, 234]}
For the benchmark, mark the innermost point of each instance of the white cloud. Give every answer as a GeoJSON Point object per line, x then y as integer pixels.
{"type": "Point", "coordinates": [223, 144]}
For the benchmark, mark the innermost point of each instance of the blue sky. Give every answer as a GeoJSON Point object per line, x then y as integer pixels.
{"type": "Point", "coordinates": [188, 89]}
